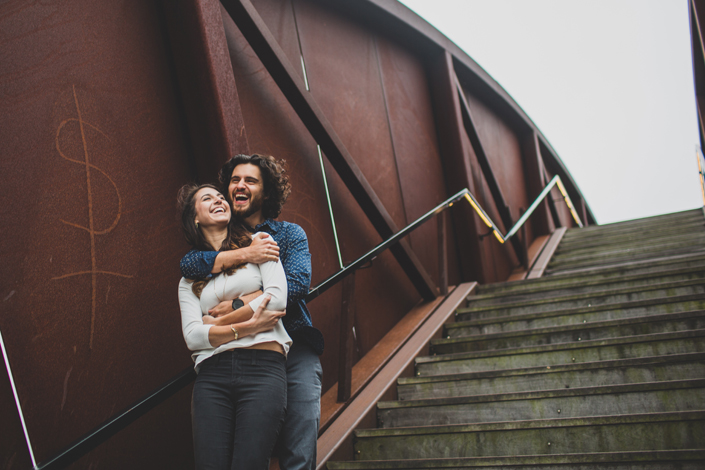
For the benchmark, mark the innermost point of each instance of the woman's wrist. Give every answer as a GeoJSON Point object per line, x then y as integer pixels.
{"type": "Point", "coordinates": [245, 328]}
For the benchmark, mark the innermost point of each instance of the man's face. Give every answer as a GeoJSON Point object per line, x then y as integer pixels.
{"type": "Point", "coordinates": [246, 190]}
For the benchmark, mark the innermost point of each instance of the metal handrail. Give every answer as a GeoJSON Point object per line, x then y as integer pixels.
{"type": "Point", "coordinates": [701, 167]}
{"type": "Point", "coordinates": [120, 421]}
{"type": "Point", "coordinates": [372, 254]}
{"type": "Point", "coordinates": [465, 193]}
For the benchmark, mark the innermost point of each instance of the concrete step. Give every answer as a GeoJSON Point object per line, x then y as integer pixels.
{"type": "Point", "coordinates": [658, 344]}
{"type": "Point", "coordinates": [458, 339]}
{"type": "Point", "coordinates": [550, 318]}
{"type": "Point", "coordinates": [641, 224]}
{"type": "Point", "coordinates": [584, 287]}
{"type": "Point", "coordinates": [647, 246]}
{"type": "Point", "coordinates": [635, 249]}
{"type": "Point", "coordinates": [610, 236]}
{"type": "Point", "coordinates": [593, 298]}
{"type": "Point", "coordinates": [644, 460]}
{"type": "Point", "coordinates": [612, 372]}
{"type": "Point", "coordinates": [625, 257]}
{"type": "Point", "coordinates": [627, 265]}
{"type": "Point", "coordinates": [679, 395]}
{"type": "Point", "coordinates": [656, 267]}
{"type": "Point", "coordinates": [596, 242]}
{"type": "Point", "coordinates": [684, 430]}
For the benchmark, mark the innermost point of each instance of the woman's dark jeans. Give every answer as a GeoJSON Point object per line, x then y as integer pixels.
{"type": "Point", "coordinates": [238, 406]}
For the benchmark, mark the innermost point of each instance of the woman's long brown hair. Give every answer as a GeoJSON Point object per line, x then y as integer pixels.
{"type": "Point", "coordinates": [238, 236]}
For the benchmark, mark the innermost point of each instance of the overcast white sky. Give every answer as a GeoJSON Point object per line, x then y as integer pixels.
{"type": "Point", "coordinates": [608, 82]}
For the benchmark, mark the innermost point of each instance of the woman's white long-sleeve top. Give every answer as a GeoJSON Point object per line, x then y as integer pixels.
{"type": "Point", "coordinates": [269, 277]}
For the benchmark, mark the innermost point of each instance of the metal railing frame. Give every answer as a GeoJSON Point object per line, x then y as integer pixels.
{"type": "Point", "coordinates": [121, 420]}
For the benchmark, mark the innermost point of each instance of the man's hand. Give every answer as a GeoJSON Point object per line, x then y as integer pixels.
{"type": "Point", "coordinates": [262, 249]}
{"type": "Point", "coordinates": [223, 308]}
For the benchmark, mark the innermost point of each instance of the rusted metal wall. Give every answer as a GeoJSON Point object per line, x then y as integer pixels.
{"type": "Point", "coordinates": [109, 107]}
{"type": "Point", "coordinates": [92, 157]}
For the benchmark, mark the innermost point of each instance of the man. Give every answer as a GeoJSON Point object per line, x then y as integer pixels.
{"type": "Point", "coordinates": [257, 188]}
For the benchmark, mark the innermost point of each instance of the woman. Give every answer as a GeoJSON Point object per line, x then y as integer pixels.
{"type": "Point", "coordinates": [239, 397]}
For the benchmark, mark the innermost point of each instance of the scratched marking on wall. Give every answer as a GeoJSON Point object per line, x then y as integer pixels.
{"type": "Point", "coordinates": [91, 229]}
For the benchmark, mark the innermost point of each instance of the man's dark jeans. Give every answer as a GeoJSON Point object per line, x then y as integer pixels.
{"type": "Point", "coordinates": [296, 447]}
{"type": "Point", "coordinates": [238, 407]}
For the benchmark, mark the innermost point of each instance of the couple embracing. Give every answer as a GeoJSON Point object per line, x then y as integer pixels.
{"type": "Point", "coordinates": [258, 387]}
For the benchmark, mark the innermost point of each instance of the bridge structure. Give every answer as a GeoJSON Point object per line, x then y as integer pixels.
{"type": "Point", "coordinates": [109, 107]}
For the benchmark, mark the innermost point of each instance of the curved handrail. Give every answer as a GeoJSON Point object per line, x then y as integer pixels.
{"type": "Point", "coordinates": [124, 418]}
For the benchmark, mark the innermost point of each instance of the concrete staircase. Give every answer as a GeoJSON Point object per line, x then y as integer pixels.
{"type": "Point", "coordinates": [598, 364]}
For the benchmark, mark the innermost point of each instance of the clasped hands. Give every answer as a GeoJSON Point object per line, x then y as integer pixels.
{"type": "Point", "coordinates": [262, 317]}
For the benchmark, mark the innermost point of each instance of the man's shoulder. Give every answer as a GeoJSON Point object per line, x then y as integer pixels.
{"type": "Point", "coordinates": [288, 229]}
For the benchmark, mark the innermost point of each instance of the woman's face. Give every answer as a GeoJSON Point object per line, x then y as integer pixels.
{"type": "Point", "coordinates": [212, 210]}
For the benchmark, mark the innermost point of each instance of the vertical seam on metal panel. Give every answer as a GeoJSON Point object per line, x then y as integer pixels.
{"type": "Point", "coordinates": [389, 127]}
{"type": "Point", "coordinates": [318, 147]}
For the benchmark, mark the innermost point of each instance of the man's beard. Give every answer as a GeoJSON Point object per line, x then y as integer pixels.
{"type": "Point", "coordinates": [254, 206]}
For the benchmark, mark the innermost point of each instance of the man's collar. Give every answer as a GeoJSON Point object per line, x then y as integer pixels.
{"type": "Point", "coordinates": [273, 225]}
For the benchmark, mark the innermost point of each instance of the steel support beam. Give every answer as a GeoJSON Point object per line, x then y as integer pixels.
{"type": "Point", "coordinates": [533, 165]}
{"type": "Point", "coordinates": [210, 101]}
{"type": "Point", "coordinates": [495, 190]}
{"type": "Point", "coordinates": [282, 71]}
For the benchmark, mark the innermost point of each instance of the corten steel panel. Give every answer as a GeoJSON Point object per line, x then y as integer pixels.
{"type": "Point", "coordinates": [540, 222]}
{"type": "Point", "coordinates": [504, 153]}
{"type": "Point", "coordinates": [273, 128]}
{"type": "Point", "coordinates": [416, 151]}
{"type": "Point", "coordinates": [285, 75]}
{"type": "Point", "coordinates": [279, 17]}
{"type": "Point", "coordinates": [456, 167]}
{"type": "Point", "coordinates": [14, 454]}
{"type": "Point", "coordinates": [565, 218]}
{"type": "Point", "coordinates": [562, 209]}
{"type": "Point", "coordinates": [498, 260]}
{"type": "Point", "coordinates": [697, 22]}
{"type": "Point", "coordinates": [210, 99]}
{"type": "Point", "coordinates": [92, 158]}
{"type": "Point", "coordinates": [344, 77]}
{"type": "Point", "coordinates": [161, 439]}
{"type": "Point", "coordinates": [384, 293]}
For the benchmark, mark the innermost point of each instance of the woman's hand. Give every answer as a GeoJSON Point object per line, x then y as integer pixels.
{"type": "Point", "coordinates": [263, 319]}
{"type": "Point", "coordinates": [223, 308]}
{"type": "Point", "coordinates": [209, 320]}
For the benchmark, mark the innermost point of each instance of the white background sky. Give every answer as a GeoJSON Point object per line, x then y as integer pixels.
{"type": "Point", "coordinates": [608, 82]}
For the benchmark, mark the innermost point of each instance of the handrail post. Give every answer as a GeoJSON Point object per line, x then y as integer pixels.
{"type": "Point", "coordinates": [442, 254]}
{"type": "Point", "coordinates": [524, 243]}
{"type": "Point", "coordinates": [345, 345]}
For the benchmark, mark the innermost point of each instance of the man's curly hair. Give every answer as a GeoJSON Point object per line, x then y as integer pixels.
{"type": "Point", "coordinates": [274, 179]}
